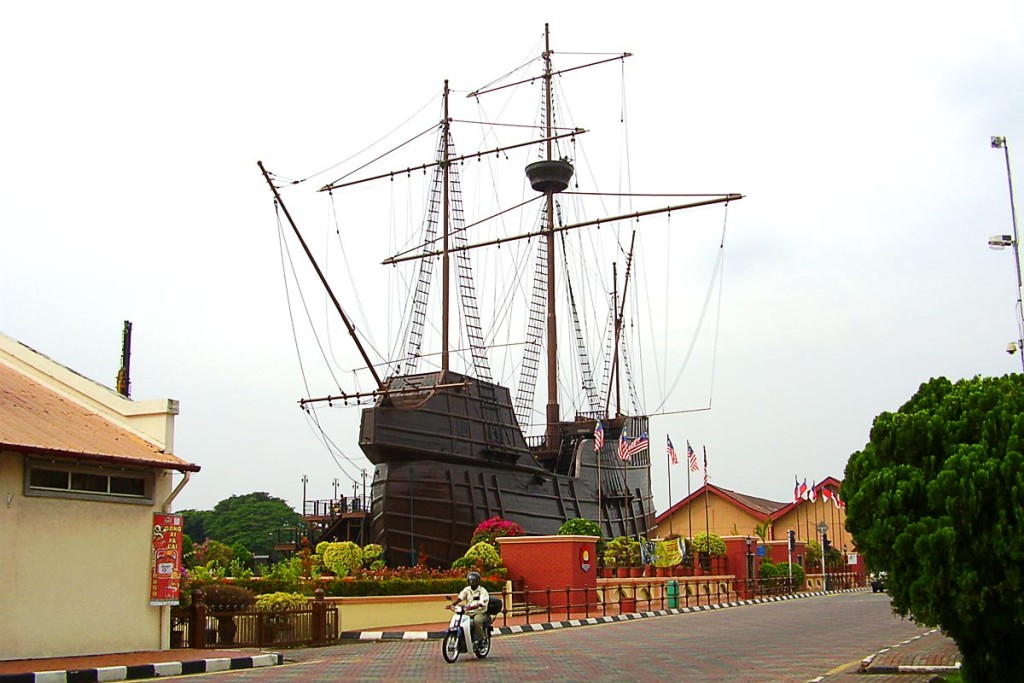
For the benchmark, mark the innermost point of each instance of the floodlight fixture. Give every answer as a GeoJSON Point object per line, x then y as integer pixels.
{"type": "Point", "coordinates": [1000, 241]}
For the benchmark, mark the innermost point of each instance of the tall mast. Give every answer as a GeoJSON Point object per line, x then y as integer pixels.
{"type": "Point", "coordinates": [445, 130]}
{"type": "Point", "coordinates": [323, 280]}
{"type": "Point", "coordinates": [552, 407]}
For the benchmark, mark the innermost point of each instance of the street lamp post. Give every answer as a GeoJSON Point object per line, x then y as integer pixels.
{"type": "Point", "coordinates": [305, 480]}
{"type": "Point", "coordinates": [822, 529]}
{"type": "Point", "coordinates": [1000, 241]}
{"type": "Point", "coordinates": [750, 568]}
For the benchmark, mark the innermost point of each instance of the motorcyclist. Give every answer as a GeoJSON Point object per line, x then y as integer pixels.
{"type": "Point", "coordinates": [476, 598]}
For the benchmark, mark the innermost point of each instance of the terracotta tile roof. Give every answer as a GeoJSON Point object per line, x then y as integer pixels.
{"type": "Point", "coordinates": [762, 505]}
{"type": "Point", "coordinates": [34, 419]}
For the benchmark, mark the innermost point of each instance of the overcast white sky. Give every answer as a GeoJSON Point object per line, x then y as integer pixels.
{"type": "Point", "coordinates": [856, 267]}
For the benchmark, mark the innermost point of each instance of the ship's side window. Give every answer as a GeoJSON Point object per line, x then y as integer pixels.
{"type": "Point", "coordinates": [70, 480]}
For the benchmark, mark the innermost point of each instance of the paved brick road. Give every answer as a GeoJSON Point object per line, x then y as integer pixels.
{"type": "Point", "coordinates": [797, 640]}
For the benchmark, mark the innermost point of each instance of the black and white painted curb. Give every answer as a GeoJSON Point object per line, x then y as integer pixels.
{"type": "Point", "coordinates": [139, 671]}
{"type": "Point", "coordinates": [552, 625]}
{"type": "Point", "coordinates": [866, 667]}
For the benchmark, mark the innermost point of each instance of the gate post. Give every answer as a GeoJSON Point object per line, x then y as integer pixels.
{"type": "Point", "coordinates": [197, 627]}
{"type": "Point", "coordinates": [319, 617]}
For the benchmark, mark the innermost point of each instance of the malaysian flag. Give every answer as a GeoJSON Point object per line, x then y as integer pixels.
{"type": "Point", "coordinates": [671, 451]}
{"type": "Point", "coordinates": [627, 446]}
{"type": "Point", "coordinates": [598, 437]}
{"type": "Point", "coordinates": [705, 468]}
{"type": "Point", "coordinates": [691, 457]}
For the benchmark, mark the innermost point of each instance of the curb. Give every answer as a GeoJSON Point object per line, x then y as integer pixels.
{"type": "Point", "coordinates": [139, 671]}
{"type": "Point", "coordinates": [867, 668]}
{"type": "Point", "coordinates": [375, 636]}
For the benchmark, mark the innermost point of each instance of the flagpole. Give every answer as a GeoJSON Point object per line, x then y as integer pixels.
{"type": "Point", "coordinates": [707, 519]}
{"type": "Point", "coordinates": [807, 517]}
{"type": "Point", "coordinates": [796, 499]}
{"type": "Point", "coordinates": [668, 470]}
{"type": "Point", "coordinates": [842, 521]}
{"type": "Point", "coordinates": [600, 487]}
{"type": "Point", "coordinates": [832, 515]}
{"type": "Point", "coordinates": [814, 507]}
{"type": "Point", "coordinates": [689, 506]}
{"type": "Point", "coordinates": [627, 509]}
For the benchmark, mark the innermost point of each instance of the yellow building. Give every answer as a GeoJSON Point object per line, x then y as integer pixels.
{"type": "Point", "coordinates": [729, 513]}
{"type": "Point", "coordinates": [83, 469]}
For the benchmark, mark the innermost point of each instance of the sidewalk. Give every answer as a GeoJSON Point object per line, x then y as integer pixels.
{"type": "Point", "coordinates": [922, 659]}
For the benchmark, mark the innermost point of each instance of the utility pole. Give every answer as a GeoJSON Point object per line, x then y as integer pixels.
{"type": "Point", "coordinates": [305, 480]}
{"type": "Point", "coordinates": [1000, 241]}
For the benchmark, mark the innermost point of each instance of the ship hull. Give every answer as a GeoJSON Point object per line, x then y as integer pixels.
{"type": "Point", "coordinates": [427, 510]}
{"type": "Point", "coordinates": [449, 454]}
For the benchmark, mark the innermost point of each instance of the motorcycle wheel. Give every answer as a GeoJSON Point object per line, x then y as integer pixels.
{"type": "Point", "coordinates": [450, 646]}
{"type": "Point", "coordinates": [485, 647]}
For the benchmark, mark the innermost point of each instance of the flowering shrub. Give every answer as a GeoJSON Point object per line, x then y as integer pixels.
{"type": "Point", "coordinates": [283, 578]}
{"type": "Point", "coordinates": [407, 586]}
{"type": "Point", "coordinates": [212, 554]}
{"type": "Point", "coordinates": [710, 545]}
{"type": "Point", "coordinates": [372, 553]}
{"type": "Point", "coordinates": [581, 526]}
{"type": "Point", "coordinates": [484, 555]}
{"type": "Point", "coordinates": [493, 528]}
{"type": "Point", "coordinates": [280, 601]}
{"type": "Point", "coordinates": [225, 597]}
{"type": "Point", "coordinates": [342, 558]}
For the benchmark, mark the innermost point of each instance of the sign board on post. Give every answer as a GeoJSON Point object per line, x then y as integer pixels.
{"type": "Point", "coordinates": [165, 560]}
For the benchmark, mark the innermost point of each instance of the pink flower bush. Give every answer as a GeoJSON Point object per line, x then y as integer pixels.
{"type": "Point", "coordinates": [493, 528]}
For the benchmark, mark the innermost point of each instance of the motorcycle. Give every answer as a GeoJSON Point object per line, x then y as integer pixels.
{"type": "Point", "coordinates": [460, 632]}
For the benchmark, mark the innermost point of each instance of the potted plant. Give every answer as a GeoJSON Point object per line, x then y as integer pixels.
{"type": "Point", "coordinates": [277, 604]}
{"type": "Point", "coordinates": [226, 598]}
{"type": "Point", "coordinates": [617, 555]}
{"type": "Point", "coordinates": [609, 559]}
{"type": "Point", "coordinates": [707, 545]}
{"type": "Point", "coordinates": [636, 566]}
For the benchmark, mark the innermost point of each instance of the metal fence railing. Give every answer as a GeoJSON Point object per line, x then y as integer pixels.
{"type": "Point", "coordinates": [202, 626]}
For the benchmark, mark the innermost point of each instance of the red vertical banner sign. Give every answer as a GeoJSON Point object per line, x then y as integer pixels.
{"type": "Point", "coordinates": [165, 570]}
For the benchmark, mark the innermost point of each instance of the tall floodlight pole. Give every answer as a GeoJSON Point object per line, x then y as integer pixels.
{"type": "Point", "coordinates": [1000, 241]}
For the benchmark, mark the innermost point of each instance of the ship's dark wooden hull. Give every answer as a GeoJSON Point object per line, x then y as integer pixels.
{"type": "Point", "coordinates": [449, 458]}
{"type": "Point", "coordinates": [430, 507]}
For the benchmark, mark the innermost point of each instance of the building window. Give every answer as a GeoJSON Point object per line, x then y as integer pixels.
{"type": "Point", "coordinates": [91, 482]}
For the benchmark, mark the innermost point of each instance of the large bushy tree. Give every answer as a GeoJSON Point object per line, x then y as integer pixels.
{"type": "Point", "coordinates": [251, 520]}
{"type": "Point", "coordinates": [936, 498]}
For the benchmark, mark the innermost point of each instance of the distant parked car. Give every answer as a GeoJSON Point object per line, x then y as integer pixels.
{"type": "Point", "coordinates": [878, 581]}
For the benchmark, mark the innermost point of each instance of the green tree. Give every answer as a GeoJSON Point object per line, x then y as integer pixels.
{"type": "Point", "coordinates": [251, 519]}
{"type": "Point", "coordinates": [936, 499]}
{"type": "Point", "coordinates": [194, 524]}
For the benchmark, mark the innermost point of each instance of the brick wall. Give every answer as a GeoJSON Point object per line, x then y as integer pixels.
{"type": "Point", "coordinates": [556, 562]}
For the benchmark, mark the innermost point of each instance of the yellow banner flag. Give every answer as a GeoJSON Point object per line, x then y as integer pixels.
{"type": "Point", "coordinates": [669, 553]}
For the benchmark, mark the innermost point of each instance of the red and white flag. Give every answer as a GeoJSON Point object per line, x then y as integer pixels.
{"type": "Point", "coordinates": [691, 457]}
